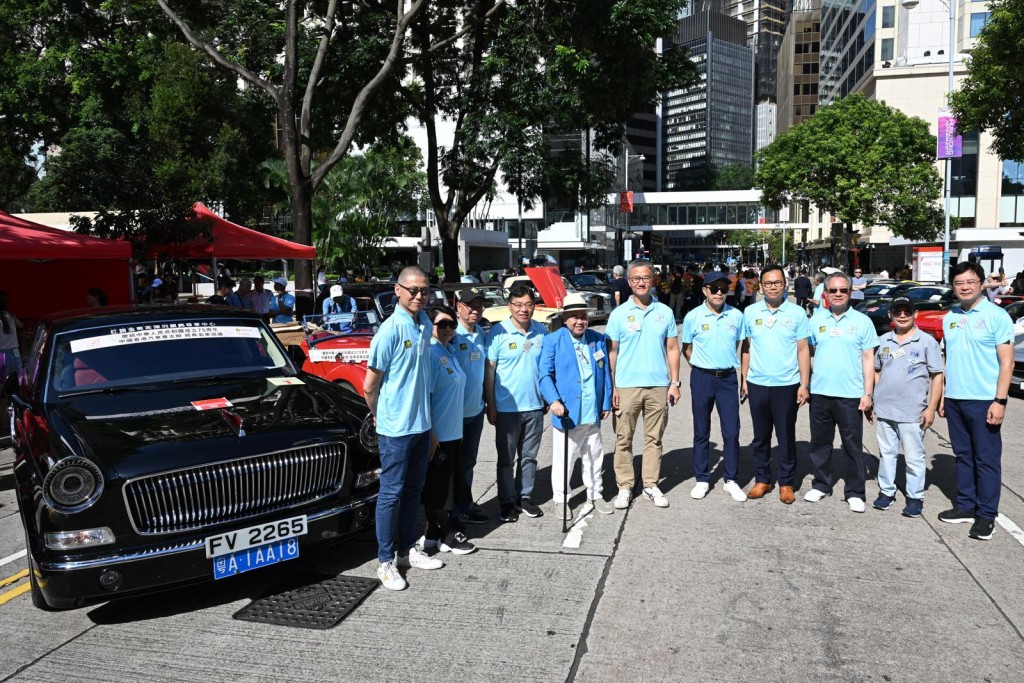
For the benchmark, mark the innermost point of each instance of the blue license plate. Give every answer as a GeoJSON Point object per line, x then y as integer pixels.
{"type": "Point", "coordinates": [254, 558]}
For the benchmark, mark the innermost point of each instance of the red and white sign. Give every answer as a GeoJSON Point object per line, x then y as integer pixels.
{"type": "Point", "coordinates": [211, 404]}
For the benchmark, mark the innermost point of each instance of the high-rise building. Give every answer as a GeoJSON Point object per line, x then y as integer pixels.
{"type": "Point", "coordinates": [708, 126]}
{"type": "Point", "coordinates": [847, 47]}
{"type": "Point", "coordinates": [799, 65]}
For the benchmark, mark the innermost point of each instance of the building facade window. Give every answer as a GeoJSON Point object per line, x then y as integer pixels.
{"type": "Point", "coordinates": [889, 16]}
{"type": "Point", "coordinates": [886, 49]}
{"type": "Point", "coordinates": [1011, 199]}
{"type": "Point", "coordinates": [978, 21]}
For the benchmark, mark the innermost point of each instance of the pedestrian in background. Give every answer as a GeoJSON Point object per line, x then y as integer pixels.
{"type": "Point", "coordinates": [643, 354]}
{"type": "Point", "coordinates": [397, 391]}
{"type": "Point", "coordinates": [775, 373]}
{"type": "Point", "coordinates": [979, 365]}
{"type": "Point", "coordinates": [908, 386]}
{"type": "Point", "coordinates": [447, 392]}
{"type": "Point", "coordinates": [860, 283]}
{"type": "Point", "coordinates": [10, 352]}
{"type": "Point", "coordinates": [576, 382]}
{"type": "Point", "coordinates": [514, 403]}
{"type": "Point", "coordinates": [842, 383]}
{"type": "Point", "coordinates": [620, 287]}
{"type": "Point", "coordinates": [471, 351]}
{"type": "Point", "coordinates": [259, 298]}
{"type": "Point", "coordinates": [711, 335]}
{"type": "Point", "coordinates": [282, 304]}
{"type": "Point", "coordinates": [802, 290]}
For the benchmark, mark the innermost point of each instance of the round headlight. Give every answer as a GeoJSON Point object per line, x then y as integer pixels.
{"type": "Point", "coordinates": [72, 485]}
{"type": "Point", "coordinates": [368, 434]}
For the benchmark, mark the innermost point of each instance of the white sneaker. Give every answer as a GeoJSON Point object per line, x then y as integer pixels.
{"type": "Point", "coordinates": [424, 543]}
{"type": "Point", "coordinates": [814, 495]}
{"type": "Point", "coordinates": [622, 500]}
{"type": "Point", "coordinates": [388, 574]}
{"type": "Point", "coordinates": [417, 559]}
{"type": "Point", "coordinates": [856, 504]}
{"type": "Point", "coordinates": [734, 490]}
{"type": "Point", "coordinates": [654, 494]}
{"type": "Point", "coordinates": [699, 490]}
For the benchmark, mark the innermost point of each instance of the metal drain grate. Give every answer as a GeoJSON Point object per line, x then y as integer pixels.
{"type": "Point", "coordinates": [314, 603]}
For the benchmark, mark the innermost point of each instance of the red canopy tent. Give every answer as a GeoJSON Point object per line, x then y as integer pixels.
{"type": "Point", "coordinates": [45, 270]}
{"type": "Point", "coordinates": [231, 241]}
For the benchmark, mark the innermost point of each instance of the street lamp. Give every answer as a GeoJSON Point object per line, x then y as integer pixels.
{"type": "Point", "coordinates": [629, 215]}
{"type": "Point", "coordinates": [951, 6]}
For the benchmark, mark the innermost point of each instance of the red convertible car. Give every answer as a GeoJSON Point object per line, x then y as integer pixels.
{"type": "Point", "coordinates": [337, 347]}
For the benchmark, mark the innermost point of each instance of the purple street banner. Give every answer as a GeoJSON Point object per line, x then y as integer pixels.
{"type": "Point", "coordinates": [950, 145]}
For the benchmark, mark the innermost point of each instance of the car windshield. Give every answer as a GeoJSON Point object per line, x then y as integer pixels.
{"type": "Point", "coordinates": [922, 293]}
{"type": "Point", "coordinates": [360, 322]}
{"type": "Point", "coordinates": [142, 353]}
{"type": "Point", "coordinates": [493, 297]}
{"type": "Point", "coordinates": [586, 281]}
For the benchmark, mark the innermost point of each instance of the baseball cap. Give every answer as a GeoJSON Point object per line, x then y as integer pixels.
{"type": "Point", "coordinates": [467, 294]}
{"type": "Point", "coordinates": [901, 302]}
{"type": "Point", "coordinates": [715, 276]}
{"type": "Point", "coordinates": [157, 282]}
{"type": "Point", "coordinates": [283, 281]}
{"type": "Point", "coordinates": [336, 291]}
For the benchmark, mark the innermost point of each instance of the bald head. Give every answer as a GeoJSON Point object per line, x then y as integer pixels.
{"type": "Point", "coordinates": [411, 273]}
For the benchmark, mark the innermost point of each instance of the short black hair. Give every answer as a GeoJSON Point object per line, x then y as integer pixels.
{"type": "Point", "coordinates": [963, 267]}
{"type": "Point", "coordinates": [769, 268]}
{"type": "Point", "coordinates": [435, 311]}
{"type": "Point", "coordinates": [521, 289]}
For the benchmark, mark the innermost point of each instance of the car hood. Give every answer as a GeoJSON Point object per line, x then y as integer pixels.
{"type": "Point", "coordinates": [137, 432]}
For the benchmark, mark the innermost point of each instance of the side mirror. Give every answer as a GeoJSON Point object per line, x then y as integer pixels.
{"type": "Point", "coordinates": [296, 354]}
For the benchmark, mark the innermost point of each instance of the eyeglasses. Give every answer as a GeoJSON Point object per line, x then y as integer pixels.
{"type": "Point", "coordinates": [415, 291]}
{"type": "Point", "coordinates": [773, 283]}
{"type": "Point", "coordinates": [640, 278]}
{"type": "Point", "coordinates": [717, 289]}
{"type": "Point", "coordinates": [839, 290]}
{"type": "Point", "coordinates": [475, 304]}
{"type": "Point", "coordinates": [444, 324]}
{"type": "Point", "coordinates": [967, 283]}
{"type": "Point", "coordinates": [521, 305]}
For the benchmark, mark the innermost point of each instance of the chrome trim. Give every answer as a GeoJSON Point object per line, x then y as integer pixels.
{"type": "Point", "coordinates": [193, 498]}
{"type": "Point", "coordinates": [186, 547]}
{"type": "Point", "coordinates": [73, 461]}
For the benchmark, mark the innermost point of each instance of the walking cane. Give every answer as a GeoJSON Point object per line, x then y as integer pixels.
{"type": "Point", "coordinates": [565, 477]}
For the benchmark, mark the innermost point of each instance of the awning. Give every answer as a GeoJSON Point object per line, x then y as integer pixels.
{"type": "Point", "coordinates": [231, 241]}
{"type": "Point", "coordinates": [24, 240]}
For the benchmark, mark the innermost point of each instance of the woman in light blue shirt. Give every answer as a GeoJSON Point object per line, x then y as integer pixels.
{"type": "Point", "coordinates": [447, 383]}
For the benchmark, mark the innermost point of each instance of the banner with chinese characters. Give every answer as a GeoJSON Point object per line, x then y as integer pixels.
{"type": "Point", "coordinates": [626, 202]}
{"type": "Point", "coordinates": [950, 145]}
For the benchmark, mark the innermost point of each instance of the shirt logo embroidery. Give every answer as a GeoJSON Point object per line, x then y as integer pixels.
{"type": "Point", "coordinates": [885, 350]}
{"type": "Point", "coordinates": [952, 325]}
{"type": "Point", "coordinates": [631, 318]}
{"type": "Point", "coordinates": [463, 346]}
{"type": "Point", "coordinates": [449, 370]}
{"type": "Point", "coordinates": [408, 344]}
{"type": "Point", "coordinates": [705, 327]}
{"type": "Point", "coordinates": [512, 346]}
{"type": "Point", "coordinates": [757, 322]}
{"type": "Point", "coordinates": [822, 329]}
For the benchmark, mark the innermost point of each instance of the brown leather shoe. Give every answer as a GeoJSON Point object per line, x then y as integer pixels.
{"type": "Point", "coordinates": [759, 490]}
{"type": "Point", "coordinates": [786, 495]}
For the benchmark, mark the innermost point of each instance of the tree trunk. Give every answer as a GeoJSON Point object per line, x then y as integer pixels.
{"type": "Point", "coordinates": [302, 228]}
{"type": "Point", "coordinates": [449, 233]}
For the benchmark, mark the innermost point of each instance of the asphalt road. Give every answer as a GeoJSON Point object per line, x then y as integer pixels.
{"type": "Point", "coordinates": [703, 590]}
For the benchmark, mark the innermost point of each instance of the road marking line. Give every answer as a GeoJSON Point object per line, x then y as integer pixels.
{"type": "Point", "coordinates": [1010, 527]}
{"type": "Point", "coordinates": [12, 579]}
{"type": "Point", "coordinates": [14, 592]}
{"type": "Point", "coordinates": [13, 558]}
{"type": "Point", "coordinates": [574, 538]}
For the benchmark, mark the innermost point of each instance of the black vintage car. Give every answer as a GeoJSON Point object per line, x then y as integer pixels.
{"type": "Point", "coordinates": [157, 447]}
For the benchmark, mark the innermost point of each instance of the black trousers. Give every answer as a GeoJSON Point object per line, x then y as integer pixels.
{"type": "Point", "coordinates": [827, 413]}
{"type": "Point", "coordinates": [773, 409]}
{"type": "Point", "coordinates": [438, 487]}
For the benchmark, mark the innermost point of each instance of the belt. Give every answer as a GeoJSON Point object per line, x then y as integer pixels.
{"type": "Point", "coordinates": [717, 373]}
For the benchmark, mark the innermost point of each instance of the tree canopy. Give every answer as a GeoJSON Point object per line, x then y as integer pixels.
{"type": "Point", "coordinates": [992, 96]}
{"type": "Point", "coordinates": [860, 160]}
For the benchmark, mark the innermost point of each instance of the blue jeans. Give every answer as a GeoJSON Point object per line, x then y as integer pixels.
{"type": "Point", "coordinates": [978, 447]}
{"type": "Point", "coordinates": [517, 434]}
{"type": "Point", "coordinates": [403, 462]}
{"type": "Point", "coordinates": [708, 392]}
{"type": "Point", "coordinates": [472, 427]}
{"type": "Point", "coordinates": [890, 434]}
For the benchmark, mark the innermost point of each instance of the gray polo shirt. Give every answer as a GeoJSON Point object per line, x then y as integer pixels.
{"type": "Point", "coordinates": [901, 393]}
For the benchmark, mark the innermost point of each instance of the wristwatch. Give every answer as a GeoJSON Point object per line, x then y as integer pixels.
{"type": "Point", "coordinates": [1000, 401]}
{"type": "Point", "coordinates": [678, 384]}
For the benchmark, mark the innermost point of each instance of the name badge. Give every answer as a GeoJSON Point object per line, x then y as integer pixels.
{"type": "Point", "coordinates": [598, 355]}
{"type": "Point", "coordinates": [475, 355]}
{"type": "Point", "coordinates": [633, 327]}
{"type": "Point", "coordinates": [835, 332]}
{"type": "Point", "coordinates": [770, 323]}
{"type": "Point", "coordinates": [527, 346]}
{"type": "Point", "coordinates": [899, 353]}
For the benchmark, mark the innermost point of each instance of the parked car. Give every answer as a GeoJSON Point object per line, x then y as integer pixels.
{"type": "Point", "coordinates": [1017, 379]}
{"type": "Point", "coordinates": [925, 298]}
{"type": "Point", "coordinates": [931, 321]}
{"type": "Point", "coordinates": [159, 447]}
{"type": "Point", "coordinates": [337, 347]}
{"type": "Point", "coordinates": [380, 297]}
{"type": "Point", "coordinates": [598, 303]}
{"type": "Point", "coordinates": [885, 289]}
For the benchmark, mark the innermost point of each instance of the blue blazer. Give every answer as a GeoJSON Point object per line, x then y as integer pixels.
{"type": "Point", "coordinates": [560, 374]}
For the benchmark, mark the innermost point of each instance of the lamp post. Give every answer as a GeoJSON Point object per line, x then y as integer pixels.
{"type": "Point", "coordinates": [629, 214]}
{"type": "Point", "coordinates": [951, 6]}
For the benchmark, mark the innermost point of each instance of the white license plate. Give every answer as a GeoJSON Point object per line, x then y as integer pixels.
{"type": "Point", "coordinates": [261, 534]}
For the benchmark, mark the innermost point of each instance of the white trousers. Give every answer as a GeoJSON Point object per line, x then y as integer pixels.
{"type": "Point", "coordinates": [585, 445]}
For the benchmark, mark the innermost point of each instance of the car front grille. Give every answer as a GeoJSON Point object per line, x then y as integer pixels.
{"type": "Point", "coordinates": [202, 496]}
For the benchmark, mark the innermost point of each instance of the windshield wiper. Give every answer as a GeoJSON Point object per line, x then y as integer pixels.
{"type": "Point", "coordinates": [108, 390]}
{"type": "Point", "coordinates": [209, 378]}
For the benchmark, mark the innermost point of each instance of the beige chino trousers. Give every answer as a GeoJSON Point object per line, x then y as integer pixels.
{"type": "Point", "coordinates": [652, 404]}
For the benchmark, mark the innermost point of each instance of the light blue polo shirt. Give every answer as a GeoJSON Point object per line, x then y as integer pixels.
{"type": "Point", "coordinates": [588, 395]}
{"type": "Point", "coordinates": [714, 337]}
{"type": "Point", "coordinates": [517, 359]}
{"type": "Point", "coordinates": [819, 295]}
{"type": "Point", "coordinates": [773, 340]}
{"type": "Point", "coordinates": [447, 384]}
{"type": "Point", "coordinates": [839, 344]}
{"type": "Point", "coordinates": [642, 360]}
{"type": "Point", "coordinates": [471, 352]}
{"type": "Point", "coordinates": [972, 366]}
{"type": "Point", "coordinates": [289, 301]}
{"type": "Point", "coordinates": [399, 350]}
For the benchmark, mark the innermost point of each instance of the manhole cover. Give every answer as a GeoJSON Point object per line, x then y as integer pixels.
{"type": "Point", "coordinates": [316, 603]}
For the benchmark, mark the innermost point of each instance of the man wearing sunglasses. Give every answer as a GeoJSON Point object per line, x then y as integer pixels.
{"type": "Point", "coordinates": [711, 334]}
{"type": "Point", "coordinates": [775, 372]}
{"type": "Point", "coordinates": [514, 403]}
{"type": "Point", "coordinates": [643, 355]}
{"type": "Point", "coordinates": [397, 390]}
{"type": "Point", "coordinates": [979, 365]}
{"type": "Point", "coordinates": [842, 385]}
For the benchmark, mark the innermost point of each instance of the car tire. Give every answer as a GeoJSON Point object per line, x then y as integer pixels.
{"type": "Point", "coordinates": [347, 386]}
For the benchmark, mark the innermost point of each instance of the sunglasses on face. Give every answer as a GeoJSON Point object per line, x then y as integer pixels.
{"type": "Point", "coordinates": [416, 291]}
{"type": "Point", "coordinates": [717, 289]}
{"type": "Point", "coordinates": [839, 290]}
{"type": "Point", "coordinates": [444, 324]}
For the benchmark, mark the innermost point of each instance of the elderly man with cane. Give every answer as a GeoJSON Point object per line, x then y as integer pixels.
{"type": "Point", "coordinates": [576, 382]}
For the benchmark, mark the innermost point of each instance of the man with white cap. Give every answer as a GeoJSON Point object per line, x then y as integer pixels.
{"type": "Point", "coordinates": [336, 304]}
{"type": "Point", "coordinates": [576, 382]}
{"type": "Point", "coordinates": [282, 305]}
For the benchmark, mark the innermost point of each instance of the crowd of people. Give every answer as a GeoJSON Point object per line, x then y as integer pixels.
{"type": "Point", "coordinates": [434, 376]}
